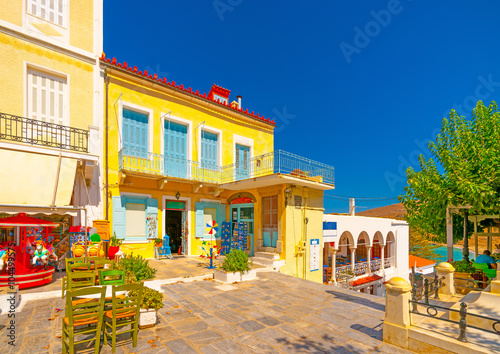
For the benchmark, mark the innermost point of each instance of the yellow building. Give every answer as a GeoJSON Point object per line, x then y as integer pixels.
{"type": "Point", "coordinates": [50, 107]}
{"type": "Point", "coordinates": [180, 161]}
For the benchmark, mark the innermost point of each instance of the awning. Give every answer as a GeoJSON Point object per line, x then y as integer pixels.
{"type": "Point", "coordinates": [365, 280]}
{"type": "Point", "coordinates": [12, 210]}
{"type": "Point", "coordinates": [36, 179]}
{"type": "Point", "coordinates": [24, 220]}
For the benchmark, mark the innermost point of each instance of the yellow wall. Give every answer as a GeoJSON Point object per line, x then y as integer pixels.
{"type": "Point", "coordinates": [80, 21]}
{"type": "Point", "coordinates": [13, 55]}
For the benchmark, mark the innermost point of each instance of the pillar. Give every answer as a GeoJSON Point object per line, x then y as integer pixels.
{"type": "Point", "coordinates": [449, 235]}
{"type": "Point", "coordinates": [369, 258]}
{"type": "Point", "coordinates": [353, 258]}
{"type": "Point", "coordinates": [397, 312]}
{"type": "Point", "coordinates": [334, 266]}
{"type": "Point", "coordinates": [446, 270]}
{"type": "Point", "coordinates": [382, 257]}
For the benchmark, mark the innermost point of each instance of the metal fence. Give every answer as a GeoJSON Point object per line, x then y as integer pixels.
{"type": "Point", "coordinates": [37, 132]}
{"type": "Point", "coordinates": [274, 162]}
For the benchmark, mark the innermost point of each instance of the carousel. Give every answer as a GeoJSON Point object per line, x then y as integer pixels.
{"type": "Point", "coordinates": [25, 258]}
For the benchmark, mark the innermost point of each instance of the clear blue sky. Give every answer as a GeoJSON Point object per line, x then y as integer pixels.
{"type": "Point", "coordinates": [362, 83]}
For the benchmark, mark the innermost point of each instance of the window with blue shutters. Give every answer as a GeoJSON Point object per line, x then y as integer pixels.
{"type": "Point", "coordinates": [135, 133]}
{"type": "Point", "coordinates": [204, 212]}
{"type": "Point", "coordinates": [242, 161]}
{"type": "Point", "coordinates": [175, 149]}
{"type": "Point", "coordinates": [209, 150]}
{"type": "Point", "coordinates": [135, 218]}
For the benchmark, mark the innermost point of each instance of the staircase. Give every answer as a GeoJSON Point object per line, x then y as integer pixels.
{"type": "Point", "coordinates": [268, 259]}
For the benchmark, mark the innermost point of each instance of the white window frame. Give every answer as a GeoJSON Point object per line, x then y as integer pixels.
{"type": "Point", "coordinates": [140, 109]}
{"type": "Point", "coordinates": [219, 142]}
{"type": "Point", "coordinates": [65, 15]}
{"type": "Point", "coordinates": [34, 67]}
{"type": "Point", "coordinates": [178, 120]}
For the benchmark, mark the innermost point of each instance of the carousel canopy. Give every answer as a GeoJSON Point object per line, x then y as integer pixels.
{"type": "Point", "coordinates": [23, 220]}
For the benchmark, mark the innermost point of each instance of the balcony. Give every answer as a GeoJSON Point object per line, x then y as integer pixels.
{"type": "Point", "coordinates": [36, 132]}
{"type": "Point", "coordinates": [278, 162]}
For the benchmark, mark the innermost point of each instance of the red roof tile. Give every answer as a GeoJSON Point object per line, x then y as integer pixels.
{"type": "Point", "coordinates": [221, 91]}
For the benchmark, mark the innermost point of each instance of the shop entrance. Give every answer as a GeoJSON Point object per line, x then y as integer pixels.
{"type": "Point", "coordinates": [244, 213]}
{"type": "Point", "coordinates": [174, 226]}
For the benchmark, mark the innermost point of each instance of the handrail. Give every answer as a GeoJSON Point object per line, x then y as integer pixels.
{"type": "Point", "coordinates": [37, 132]}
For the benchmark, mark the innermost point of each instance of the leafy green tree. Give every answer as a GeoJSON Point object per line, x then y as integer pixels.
{"type": "Point", "coordinates": [464, 170]}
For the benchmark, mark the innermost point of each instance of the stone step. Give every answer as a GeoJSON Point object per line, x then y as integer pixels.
{"type": "Point", "coordinates": [268, 255]}
{"type": "Point", "coordinates": [263, 261]}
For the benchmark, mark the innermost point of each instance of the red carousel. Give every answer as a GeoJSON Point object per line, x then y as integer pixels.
{"type": "Point", "coordinates": [30, 267]}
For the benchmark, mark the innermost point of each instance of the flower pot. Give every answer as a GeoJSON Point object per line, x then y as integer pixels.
{"type": "Point", "coordinates": [222, 276]}
{"type": "Point", "coordinates": [249, 275]}
{"type": "Point", "coordinates": [147, 318]}
{"type": "Point", "coordinates": [112, 251]}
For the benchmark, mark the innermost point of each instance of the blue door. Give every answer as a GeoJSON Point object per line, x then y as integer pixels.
{"type": "Point", "coordinates": [175, 150]}
{"type": "Point", "coordinates": [209, 150]}
{"type": "Point", "coordinates": [242, 161]}
{"type": "Point", "coordinates": [244, 213]}
{"type": "Point", "coordinates": [135, 133]}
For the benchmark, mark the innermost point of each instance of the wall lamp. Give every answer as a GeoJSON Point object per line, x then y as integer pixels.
{"type": "Point", "coordinates": [177, 195]}
{"type": "Point", "coordinates": [288, 194]}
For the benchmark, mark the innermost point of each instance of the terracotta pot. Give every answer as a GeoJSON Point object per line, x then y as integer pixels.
{"type": "Point", "coordinates": [112, 251]}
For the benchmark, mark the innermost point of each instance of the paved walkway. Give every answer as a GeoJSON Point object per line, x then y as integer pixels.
{"type": "Point", "coordinates": [274, 314]}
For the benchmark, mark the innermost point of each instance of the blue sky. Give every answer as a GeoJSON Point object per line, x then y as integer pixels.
{"type": "Point", "coordinates": [360, 85]}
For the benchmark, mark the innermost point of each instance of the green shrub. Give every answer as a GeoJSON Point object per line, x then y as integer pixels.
{"type": "Point", "coordinates": [236, 261]}
{"type": "Point", "coordinates": [115, 241]}
{"type": "Point", "coordinates": [138, 266]}
{"type": "Point", "coordinates": [463, 267]}
{"type": "Point", "coordinates": [151, 299]}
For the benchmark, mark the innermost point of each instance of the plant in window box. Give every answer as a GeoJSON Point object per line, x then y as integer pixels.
{"type": "Point", "coordinates": [157, 242]}
{"type": "Point", "coordinates": [235, 268]}
{"type": "Point", "coordinates": [114, 246]}
{"type": "Point", "coordinates": [151, 302]}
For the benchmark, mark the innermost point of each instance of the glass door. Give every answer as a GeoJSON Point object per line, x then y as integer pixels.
{"type": "Point", "coordinates": [244, 213]}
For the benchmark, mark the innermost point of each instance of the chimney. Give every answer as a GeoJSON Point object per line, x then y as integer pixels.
{"type": "Point", "coordinates": [352, 207]}
{"type": "Point", "coordinates": [239, 101]}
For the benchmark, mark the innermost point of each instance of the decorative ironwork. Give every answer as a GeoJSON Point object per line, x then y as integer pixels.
{"type": "Point", "coordinates": [472, 284]}
{"type": "Point", "coordinates": [37, 132]}
{"type": "Point", "coordinates": [274, 162]}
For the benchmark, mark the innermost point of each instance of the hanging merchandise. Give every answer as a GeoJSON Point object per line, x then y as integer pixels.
{"type": "Point", "coordinates": [226, 238]}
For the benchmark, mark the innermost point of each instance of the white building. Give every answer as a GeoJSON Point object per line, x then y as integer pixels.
{"type": "Point", "coordinates": [363, 252]}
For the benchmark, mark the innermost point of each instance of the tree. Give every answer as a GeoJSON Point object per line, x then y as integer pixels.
{"type": "Point", "coordinates": [464, 170]}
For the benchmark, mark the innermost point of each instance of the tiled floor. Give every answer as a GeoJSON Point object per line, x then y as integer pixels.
{"type": "Point", "coordinates": [274, 314]}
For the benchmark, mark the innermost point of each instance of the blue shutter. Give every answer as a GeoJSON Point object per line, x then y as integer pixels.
{"type": "Point", "coordinates": [209, 150]}
{"type": "Point", "coordinates": [221, 217]}
{"type": "Point", "coordinates": [152, 211]}
{"type": "Point", "coordinates": [199, 222]}
{"type": "Point", "coordinates": [119, 213]}
{"type": "Point", "coordinates": [135, 133]}
{"type": "Point", "coordinates": [175, 149]}
{"type": "Point", "coordinates": [242, 161]}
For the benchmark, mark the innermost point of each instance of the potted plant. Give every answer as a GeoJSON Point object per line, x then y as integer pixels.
{"type": "Point", "coordinates": [151, 302]}
{"type": "Point", "coordinates": [235, 268]}
{"type": "Point", "coordinates": [463, 275]}
{"type": "Point", "coordinates": [158, 242]}
{"type": "Point", "coordinates": [114, 246]}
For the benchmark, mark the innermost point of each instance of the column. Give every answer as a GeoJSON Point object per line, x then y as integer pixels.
{"type": "Point", "coordinates": [353, 257]}
{"type": "Point", "coordinates": [397, 312]}
{"type": "Point", "coordinates": [334, 266]}
{"type": "Point", "coordinates": [369, 258]}
{"type": "Point", "coordinates": [446, 270]}
{"type": "Point", "coordinates": [449, 235]}
{"type": "Point", "coordinates": [382, 257]}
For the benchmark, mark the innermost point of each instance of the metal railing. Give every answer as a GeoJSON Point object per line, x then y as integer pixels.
{"type": "Point", "coordinates": [37, 132]}
{"type": "Point", "coordinates": [275, 162]}
{"type": "Point", "coordinates": [279, 162]}
{"type": "Point", "coordinates": [433, 311]}
{"type": "Point", "coordinates": [419, 292]}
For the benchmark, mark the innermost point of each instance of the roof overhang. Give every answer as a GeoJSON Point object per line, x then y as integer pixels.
{"type": "Point", "coordinates": [276, 179]}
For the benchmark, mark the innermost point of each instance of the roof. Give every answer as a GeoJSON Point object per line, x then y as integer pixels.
{"type": "Point", "coordinates": [217, 89]}
{"type": "Point", "coordinates": [420, 262]}
{"type": "Point", "coordinates": [365, 280]}
{"type": "Point", "coordinates": [23, 220]}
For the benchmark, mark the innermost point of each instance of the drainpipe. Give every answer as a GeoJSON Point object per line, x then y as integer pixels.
{"type": "Point", "coordinates": [106, 167]}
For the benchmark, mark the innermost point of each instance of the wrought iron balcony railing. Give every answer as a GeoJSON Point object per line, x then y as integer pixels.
{"type": "Point", "coordinates": [274, 162]}
{"type": "Point", "coordinates": [37, 132]}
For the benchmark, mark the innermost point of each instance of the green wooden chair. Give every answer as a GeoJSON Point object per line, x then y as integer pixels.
{"type": "Point", "coordinates": [76, 280]}
{"type": "Point", "coordinates": [125, 311]}
{"type": "Point", "coordinates": [111, 277]}
{"type": "Point", "coordinates": [105, 264]}
{"type": "Point", "coordinates": [83, 318]}
{"type": "Point", "coordinates": [70, 262]}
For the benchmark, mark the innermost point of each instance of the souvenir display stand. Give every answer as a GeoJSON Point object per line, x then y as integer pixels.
{"type": "Point", "coordinates": [29, 231]}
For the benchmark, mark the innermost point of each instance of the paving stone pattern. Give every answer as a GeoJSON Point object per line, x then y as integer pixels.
{"type": "Point", "coordinates": [274, 314]}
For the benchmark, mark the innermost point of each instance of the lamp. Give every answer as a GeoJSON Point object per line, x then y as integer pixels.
{"type": "Point", "coordinates": [177, 195]}
{"type": "Point", "coordinates": [288, 194]}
